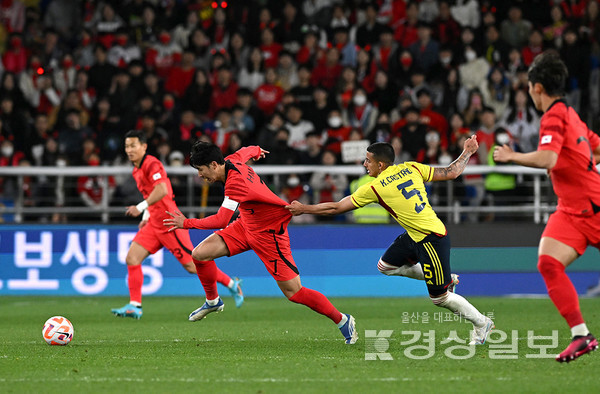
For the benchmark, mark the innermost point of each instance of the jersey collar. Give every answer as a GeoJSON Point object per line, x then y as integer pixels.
{"type": "Point", "coordinates": [229, 166]}
{"type": "Point", "coordinates": [560, 100]}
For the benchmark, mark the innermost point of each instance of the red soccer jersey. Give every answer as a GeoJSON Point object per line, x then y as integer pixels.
{"type": "Point", "coordinates": [575, 179]}
{"type": "Point", "coordinates": [260, 209]}
{"type": "Point", "coordinates": [150, 173]}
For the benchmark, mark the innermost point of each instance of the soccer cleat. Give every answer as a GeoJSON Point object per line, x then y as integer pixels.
{"type": "Point", "coordinates": [479, 335]}
{"type": "Point", "coordinates": [349, 330]}
{"type": "Point", "coordinates": [452, 285]}
{"type": "Point", "coordinates": [578, 347]}
{"type": "Point", "coordinates": [205, 309]}
{"type": "Point", "coordinates": [236, 292]}
{"type": "Point", "coordinates": [593, 291]}
{"type": "Point", "coordinates": [128, 311]}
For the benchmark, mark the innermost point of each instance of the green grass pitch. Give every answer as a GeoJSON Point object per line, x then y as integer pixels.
{"type": "Point", "coordinates": [271, 345]}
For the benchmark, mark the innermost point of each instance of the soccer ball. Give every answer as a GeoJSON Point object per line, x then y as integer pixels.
{"type": "Point", "coordinates": [58, 330]}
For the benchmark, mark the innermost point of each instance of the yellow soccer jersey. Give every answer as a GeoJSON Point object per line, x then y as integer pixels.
{"type": "Point", "coordinates": [401, 191]}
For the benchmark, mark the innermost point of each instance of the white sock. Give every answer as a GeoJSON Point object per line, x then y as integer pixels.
{"type": "Point", "coordinates": [230, 285]}
{"type": "Point", "coordinates": [212, 302]}
{"type": "Point", "coordinates": [135, 303]}
{"type": "Point", "coordinates": [460, 306]}
{"type": "Point", "coordinates": [579, 330]}
{"type": "Point", "coordinates": [343, 321]}
{"type": "Point", "coordinates": [414, 271]}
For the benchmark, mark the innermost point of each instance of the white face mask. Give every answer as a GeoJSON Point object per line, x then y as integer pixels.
{"type": "Point", "coordinates": [502, 138]}
{"type": "Point", "coordinates": [359, 100]}
{"type": "Point", "coordinates": [335, 122]}
{"type": "Point", "coordinates": [293, 181]}
{"type": "Point", "coordinates": [7, 151]}
{"type": "Point", "coordinates": [446, 60]}
{"type": "Point", "coordinates": [61, 163]}
{"type": "Point", "coordinates": [470, 56]}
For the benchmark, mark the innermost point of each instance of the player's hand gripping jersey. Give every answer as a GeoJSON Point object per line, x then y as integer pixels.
{"type": "Point", "coordinates": [401, 191]}
{"type": "Point", "coordinates": [150, 173]}
{"type": "Point", "coordinates": [575, 179]}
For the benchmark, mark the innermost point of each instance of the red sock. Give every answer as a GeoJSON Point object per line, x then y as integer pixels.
{"type": "Point", "coordinates": [223, 278]}
{"type": "Point", "coordinates": [317, 302]}
{"type": "Point", "coordinates": [560, 289]}
{"type": "Point", "coordinates": [135, 282]}
{"type": "Point", "coordinates": [207, 273]}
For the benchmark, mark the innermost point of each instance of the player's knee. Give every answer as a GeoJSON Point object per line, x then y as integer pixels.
{"type": "Point", "coordinates": [385, 268]}
{"type": "Point", "coordinates": [131, 260]}
{"type": "Point", "coordinates": [549, 266]}
{"type": "Point", "coordinates": [197, 253]}
{"type": "Point", "coordinates": [439, 299]}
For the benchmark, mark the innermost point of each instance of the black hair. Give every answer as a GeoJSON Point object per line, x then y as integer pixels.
{"type": "Point", "coordinates": [550, 71]}
{"type": "Point", "coordinates": [204, 153]}
{"type": "Point", "coordinates": [383, 152]}
{"type": "Point", "coordinates": [139, 134]}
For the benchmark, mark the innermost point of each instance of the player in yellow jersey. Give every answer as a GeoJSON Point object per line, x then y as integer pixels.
{"type": "Point", "coordinates": [423, 252]}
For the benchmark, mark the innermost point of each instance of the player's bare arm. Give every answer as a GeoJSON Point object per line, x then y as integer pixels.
{"type": "Point", "coordinates": [159, 191]}
{"type": "Point", "coordinates": [537, 159]}
{"type": "Point", "coordinates": [457, 166]}
{"type": "Point", "coordinates": [597, 154]}
{"type": "Point", "coordinates": [175, 222]}
{"type": "Point", "coordinates": [325, 208]}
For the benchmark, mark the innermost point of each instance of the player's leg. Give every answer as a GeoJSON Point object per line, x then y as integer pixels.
{"type": "Point", "coordinates": [135, 256]}
{"type": "Point", "coordinates": [434, 254]}
{"type": "Point", "coordinates": [178, 242]}
{"type": "Point", "coordinates": [227, 242]}
{"type": "Point", "coordinates": [400, 259]}
{"type": "Point", "coordinates": [275, 252]}
{"type": "Point", "coordinates": [561, 243]}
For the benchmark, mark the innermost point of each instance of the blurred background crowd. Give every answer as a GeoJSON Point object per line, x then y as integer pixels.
{"type": "Point", "coordinates": [300, 78]}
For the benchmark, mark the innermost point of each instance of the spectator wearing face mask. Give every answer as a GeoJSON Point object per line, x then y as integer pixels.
{"type": "Point", "coordinates": [360, 113]}
{"type": "Point", "coordinates": [474, 70]}
{"type": "Point", "coordinates": [336, 133]}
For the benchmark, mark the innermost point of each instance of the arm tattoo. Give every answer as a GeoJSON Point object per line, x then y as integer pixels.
{"type": "Point", "coordinates": [455, 168]}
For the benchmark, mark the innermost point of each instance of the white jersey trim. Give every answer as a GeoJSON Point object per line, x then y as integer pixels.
{"type": "Point", "coordinates": [230, 204]}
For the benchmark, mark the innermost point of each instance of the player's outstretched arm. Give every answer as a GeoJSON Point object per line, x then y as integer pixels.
{"type": "Point", "coordinates": [536, 159]}
{"type": "Point", "coordinates": [457, 166]}
{"type": "Point", "coordinates": [325, 208]}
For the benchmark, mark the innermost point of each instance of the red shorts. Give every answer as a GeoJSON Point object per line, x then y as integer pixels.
{"type": "Point", "coordinates": [178, 242]}
{"type": "Point", "coordinates": [576, 231]}
{"type": "Point", "coordinates": [272, 249]}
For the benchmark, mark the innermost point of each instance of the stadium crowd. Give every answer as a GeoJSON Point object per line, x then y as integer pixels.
{"type": "Point", "coordinates": [299, 78]}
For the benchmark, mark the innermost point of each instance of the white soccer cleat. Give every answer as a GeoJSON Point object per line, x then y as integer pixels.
{"type": "Point", "coordinates": [205, 309]}
{"type": "Point", "coordinates": [479, 334]}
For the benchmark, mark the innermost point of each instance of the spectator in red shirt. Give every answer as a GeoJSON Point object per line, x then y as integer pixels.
{"type": "Point", "coordinates": [445, 28]}
{"type": "Point", "coordinates": [310, 53]}
{"type": "Point", "coordinates": [534, 47]}
{"type": "Point", "coordinates": [15, 57]}
{"type": "Point", "coordinates": [326, 73]}
{"type": "Point", "coordinates": [406, 32]}
{"type": "Point", "coordinates": [268, 95]}
{"type": "Point", "coordinates": [430, 118]}
{"type": "Point", "coordinates": [163, 56]}
{"type": "Point", "coordinates": [181, 76]}
{"type": "Point", "coordinates": [386, 47]}
{"type": "Point", "coordinates": [224, 94]}
{"type": "Point", "coordinates": [270, 48]}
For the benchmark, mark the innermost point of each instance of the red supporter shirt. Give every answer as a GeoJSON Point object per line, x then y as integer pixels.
{"type": "Point", "coordinates": [150, 173]}
{"type": "Point", "coordinates": [575, 179]}
{"type": "Point", "coordinates": [260, 209]}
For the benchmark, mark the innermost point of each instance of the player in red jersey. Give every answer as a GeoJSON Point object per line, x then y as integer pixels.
{"type": "Point", "coordinates": [261, 226]}
{"type": "Point", "coordinates": [155, 186]}
{"type": "Point", "coordinates": [569, 151]}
